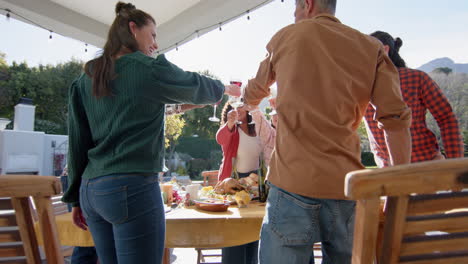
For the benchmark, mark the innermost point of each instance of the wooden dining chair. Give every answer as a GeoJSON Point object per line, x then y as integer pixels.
{"type": "Point", "coordinates": [17, 217]}
{"type": "Point", "coordinates": [210, 178]}
{"type": "Point", "coordinates": [426, 215]}
{"type": "Point", "coordinates": [58, 208]}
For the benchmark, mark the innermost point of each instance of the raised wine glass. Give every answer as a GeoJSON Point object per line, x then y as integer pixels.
{"type": "Point", "coordinates": [214, 118]}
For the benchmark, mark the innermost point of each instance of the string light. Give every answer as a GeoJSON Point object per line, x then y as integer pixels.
{"type": "Point", "coordinates": [176, 45]}
{"type": "Point", "coordinates": [86, 47]}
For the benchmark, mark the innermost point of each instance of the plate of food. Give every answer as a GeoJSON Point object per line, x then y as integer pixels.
{"type": "Point", "coordinates": [212, 205]}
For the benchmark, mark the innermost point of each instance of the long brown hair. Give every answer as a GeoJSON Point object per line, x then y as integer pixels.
{"type": "Point", "coordinates": [101, 70]}
{"type": "Point", "coordinates": [250, 126]}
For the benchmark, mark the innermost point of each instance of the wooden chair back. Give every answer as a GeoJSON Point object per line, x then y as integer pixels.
{"type": "Point", "coordinates": [426, 215]}
{"type": "Point", "coordinates": [18, 241]}
{"type": "Point", "coordinates": [210, 178]}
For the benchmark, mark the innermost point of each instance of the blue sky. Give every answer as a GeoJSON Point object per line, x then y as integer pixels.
{"type": "Point", "coordinates": [429, 28]}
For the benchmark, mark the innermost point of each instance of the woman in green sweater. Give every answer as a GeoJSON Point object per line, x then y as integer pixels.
{"type": "Point", "coordinates": [116, 138]}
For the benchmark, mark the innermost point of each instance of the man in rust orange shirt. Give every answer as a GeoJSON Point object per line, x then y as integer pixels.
{"type": "Point", "coordinates": [326, 73]}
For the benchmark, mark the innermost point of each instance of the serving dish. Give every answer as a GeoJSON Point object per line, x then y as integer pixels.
{"type": "Point", "coordinates": [212, 205]}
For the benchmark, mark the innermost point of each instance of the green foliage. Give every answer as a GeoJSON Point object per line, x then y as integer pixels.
{"type": "Point", "coordinates": [196, 166]}
{"type": "Point", "coordinates": [181, 170]}
{"type": "Point", "coordinates": [362, 132]}
{"type": "Point", "coordinates": [3, 63]}
{"type": "Point", "coordinates": [455, 88]}
{"type": "Point", "coordinates": [173, 129]}
{"type": "Point", "coordinates": [367, 159]}
{"type": "Point", "coordinates": [206, 152]}
{"type": "Point", "coordinates": [444, 70]}
{"type": "Point", "coordinates": [465, 140]}
{"type": "Point", "coordinates": [199, 148]}
{"type": "Point", "coordinates": [196, 120]}
{"type": "Point", "coordinates": [49, 126]}
{"type": "Point", "coordinates": [46, 85]}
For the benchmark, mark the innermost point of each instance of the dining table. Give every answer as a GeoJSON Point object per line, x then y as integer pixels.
{"type": "Point", "coordinates": [186, 227]}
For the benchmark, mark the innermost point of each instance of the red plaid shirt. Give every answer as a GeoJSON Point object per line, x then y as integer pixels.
{"type": "Point", "coordinates": [420, 93]}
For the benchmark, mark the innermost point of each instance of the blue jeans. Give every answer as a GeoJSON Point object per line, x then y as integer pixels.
{"type": "Point", "coordinates": [125, 215]}
{"type": "Point", "coordinates": [243, 254]}
{"type": "Point", "coordinates": [84, 255]}
{"type": "Point", "coordinates": [81, 255]}
{"type": "Point", "coordinates": [293, 223]}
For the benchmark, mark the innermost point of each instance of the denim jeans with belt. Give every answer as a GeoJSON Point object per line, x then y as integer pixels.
{"type": "Point", "coordinates": [125, 215]}
{"type": "Point", "coordinates": [293, 223]}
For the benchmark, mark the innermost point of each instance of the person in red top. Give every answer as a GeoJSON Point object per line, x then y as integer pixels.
{"type": "Point", "coordinates": [420, 93]}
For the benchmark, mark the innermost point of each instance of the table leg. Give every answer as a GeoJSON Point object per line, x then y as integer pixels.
{"type": "Point", "coordinates": [167, 256]}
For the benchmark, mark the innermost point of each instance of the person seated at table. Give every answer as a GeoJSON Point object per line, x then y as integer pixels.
{"type": "Point", "coordinates": [116, 138]}
{"type": "Point", "coordinates": [245, 142]}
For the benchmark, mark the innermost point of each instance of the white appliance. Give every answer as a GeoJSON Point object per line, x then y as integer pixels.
{"type": "Point", "coordinates": [25, 151]}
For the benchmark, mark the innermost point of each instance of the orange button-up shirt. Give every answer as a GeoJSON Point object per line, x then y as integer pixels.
{"type": "Point", "coordinates": [326, 73]}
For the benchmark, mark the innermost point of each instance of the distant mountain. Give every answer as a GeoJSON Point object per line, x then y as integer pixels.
{"type": "Point", "coordinates": [444, 62]}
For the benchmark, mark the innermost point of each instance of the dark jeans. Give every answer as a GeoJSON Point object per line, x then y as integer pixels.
{"type": "Point", "coordinates": [125, 215]}
{"type": "Point", "coordinates": [81, 255]}
{"type": "Point", "coordinates": [293, 223]}
{"type": "Point", "coordinates": [243, 254]}
{"type": "Point", "coordinates": [84, 255]}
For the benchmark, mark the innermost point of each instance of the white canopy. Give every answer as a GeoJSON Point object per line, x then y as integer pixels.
{"type": "Point", "coordinates": [89, 20]}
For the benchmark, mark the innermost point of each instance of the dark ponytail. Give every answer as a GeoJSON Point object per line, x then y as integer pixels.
{"type": "Point", "coordinates": [394, 45]}
{"type": "Point", "coordinates": [101, 70]}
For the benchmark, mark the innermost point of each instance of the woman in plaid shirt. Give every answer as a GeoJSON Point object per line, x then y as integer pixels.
{"type": "Point", "coordinates": [420, 93]}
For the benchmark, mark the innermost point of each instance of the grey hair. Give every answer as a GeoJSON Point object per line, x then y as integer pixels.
{"type": "Point", "coordinates": [328, 6]}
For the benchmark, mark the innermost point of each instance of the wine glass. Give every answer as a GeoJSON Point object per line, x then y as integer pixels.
{"type": "Point", "coordinates": [236, 102]}
{"type": "Point", "coordinates": [214, 118]}
{"type": "Point", "coordinates": [237, 82]}
{"type": "Point", "coordinates": [252, 122]}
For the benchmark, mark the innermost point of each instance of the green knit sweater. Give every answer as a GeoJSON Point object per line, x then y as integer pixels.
{"type": "Point", "coordinates": [124, 133]}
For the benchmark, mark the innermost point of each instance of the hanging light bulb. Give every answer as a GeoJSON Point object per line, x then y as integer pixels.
{"type": "Point", "coordinates": [50, 36]}
{"type": "Point", "coordinates": [8, 14]}
{"type": "Point", "coordinates": [248, 14]}
{"type": "Point", "coordinates": [220, 28]}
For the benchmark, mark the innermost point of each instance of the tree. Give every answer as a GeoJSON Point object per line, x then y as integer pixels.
{"type": "Point", "coordinates": [455, 88]}
{"type": "Point", "coordinates": [47, 86]}
{"type": "Point", "coordinates": [173, 130]}
{"type": "Point", "coordinates": [196, 120]}
{"type": "Point", "coordinates": [3, 63]}
{"type": "Point", "coordinates": [362, 132]}
{"type": "Point", "coordinates": [445, 70]}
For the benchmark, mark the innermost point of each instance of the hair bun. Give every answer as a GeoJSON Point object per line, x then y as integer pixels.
{"type": "Point", "coordinates": [122, 7]}
{"type": "Point", "coordinates": [398, 43]}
